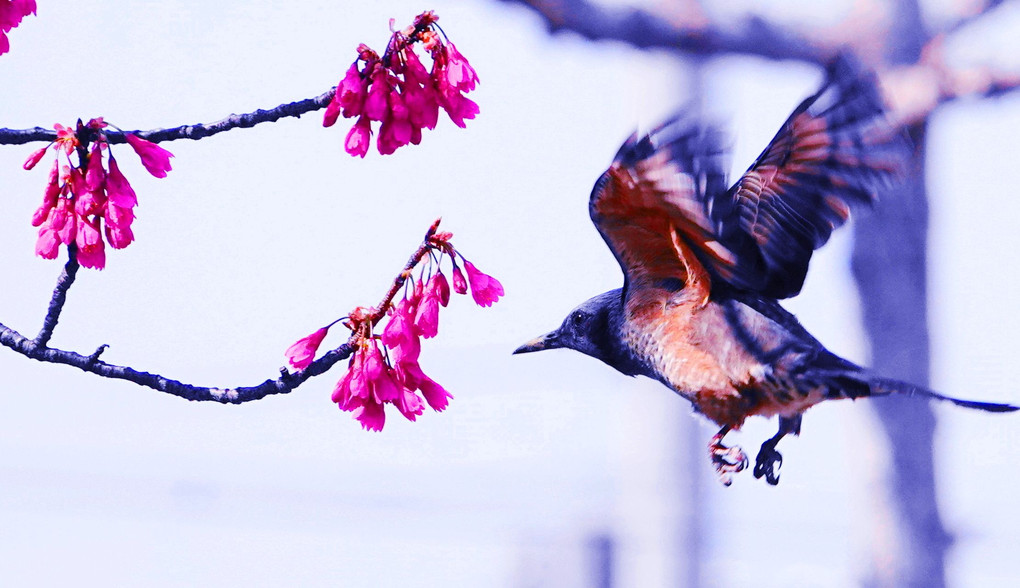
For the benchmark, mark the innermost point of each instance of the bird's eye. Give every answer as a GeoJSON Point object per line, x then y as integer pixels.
{"type": "Point", "coordinates": [577, 319]}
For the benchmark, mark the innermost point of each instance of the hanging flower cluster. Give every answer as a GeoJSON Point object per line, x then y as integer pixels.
{"type": "Point", "coordinates": [11, 13]}
{"type": "Point", "coordinates": [384, 368]}
{"type": "Point", "coordinates": [399, 92]}
{"type": "Point", "coordinates": [85, 200]}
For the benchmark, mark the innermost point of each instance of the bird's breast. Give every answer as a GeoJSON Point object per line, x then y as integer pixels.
{"type": "Point", "coordinates": [713, 358]}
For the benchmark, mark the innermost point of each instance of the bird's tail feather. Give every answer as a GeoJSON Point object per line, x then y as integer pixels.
{"type": "Point", "coordinates": [887, 386]}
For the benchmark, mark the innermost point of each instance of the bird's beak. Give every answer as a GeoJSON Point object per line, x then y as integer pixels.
{"type": "Point", "coordinates": [547, 341]}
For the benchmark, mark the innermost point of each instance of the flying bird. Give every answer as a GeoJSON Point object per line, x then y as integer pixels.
{"type": "Point", "coordinates": [705, 265]}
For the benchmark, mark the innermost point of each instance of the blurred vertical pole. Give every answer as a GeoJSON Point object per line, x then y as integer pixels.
{"type": "Point", "coordinates": [889, 264]}
{"type": "Point", "coordinates": [691, 453]}
{"type": "Point", "coordinates": [601, 548]}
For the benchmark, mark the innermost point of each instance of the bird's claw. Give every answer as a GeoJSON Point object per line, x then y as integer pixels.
{"type": "Point", "coordinates": [767, 464]}
{"type": "Point", "coordinates": [727, 460]}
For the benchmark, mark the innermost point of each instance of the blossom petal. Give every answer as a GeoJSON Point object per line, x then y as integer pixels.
{"type": "Point", "coordinates": [155, 159]}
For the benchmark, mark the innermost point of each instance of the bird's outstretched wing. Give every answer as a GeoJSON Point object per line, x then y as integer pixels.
{"type": "Point", "coordinates": [653, 195]}
{"type": "Point", "coordinates": [664, 196]}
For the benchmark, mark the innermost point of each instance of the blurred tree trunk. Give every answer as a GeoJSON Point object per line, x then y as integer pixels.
{"type": "Point", "coordinates": [890, 266]}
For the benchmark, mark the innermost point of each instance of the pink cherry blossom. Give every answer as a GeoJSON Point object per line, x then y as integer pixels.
{"type": "Point", "coordinates": [377, 103]}
{"type": "Point", "coordinates": [427, 318]}
{"type": "Point", "coordinates": [359, 137]}
{"type": "Point", "coordinates": [95, 175]}
{"type": "Point", "coordinates": [49, 198]}
{"type": "Point", "coordinates": [48, 243]}
{"type": "Point", "coordinates": [302, 352]}
{"type": "Point", "coordinates": [413, 378]}
{"type": "Point", "coordinates": [400, 327]}
{"type": "Point", "coordinates": [344, 391]}
{"type": "Point", "coordinates": [349, 98]}
{"type": "Point", "coordinates": [11, 13]}
{"type": "Point", "coordinates": [332, 113]}
{"type": "Point", "coordinates": [485, 289]}
{"type": "Point", "coordinates": [349, 84]}
{"type": "Point", "coordinates": [155, 159]}
{"type": "Point", "coordinates": [91, 252]}
{"type": "Point", "coordinates": [67, 138]}
{"type": "Point", "coordinates": [459, 72]}
{"type": "Point", "coordinates": [63, 221]}
{"type": "Point", "coordinates": [118, 190]}
{"type": "Point", "coordinates": [118, 216]}
{"type": "Point", "coordinates": [384, 387]}
{"type": "Point", "coordinates": [370, 414]}
{"type": "Point", "coordinates": [119, 237]}
{"type": "Point", "coordinates": [458, 107]}
{"type": "Point", "coordinates": [410, 405]}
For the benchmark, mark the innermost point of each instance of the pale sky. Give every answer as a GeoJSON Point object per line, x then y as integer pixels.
{"type": "Point", "coordinates": [259, 236]}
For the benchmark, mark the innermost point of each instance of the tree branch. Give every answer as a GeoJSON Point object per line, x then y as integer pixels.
{"type": "Point", "coordinates": [38, 350]}
{"type": "Point", "coordinates": [914, 91]}
{"type": "Point", "coordinates": [282, 385]}
{"type": "Point", "coordinates": [59, 297]}
{"type": "Point", "coordinates": [195, 132]}
{"type": "Point", "coordinates": [971, 13]}
{"type": "Point", "coordinates": [645, 30]}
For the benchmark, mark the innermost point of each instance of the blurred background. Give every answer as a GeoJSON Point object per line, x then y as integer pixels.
{"type": "Point", "coordinates": [547, 470]}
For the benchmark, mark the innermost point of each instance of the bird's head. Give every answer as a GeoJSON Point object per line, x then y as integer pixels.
{"type": "Point", "coordinates": [592, 328]}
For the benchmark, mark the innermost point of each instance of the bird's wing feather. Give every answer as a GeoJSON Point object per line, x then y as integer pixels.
{"type": "Point", "coordinates": [653, 197]}
{"type": "Point", "coordinates": [663, 209]}
{"type": "Point", "coordinates": [833, 151]}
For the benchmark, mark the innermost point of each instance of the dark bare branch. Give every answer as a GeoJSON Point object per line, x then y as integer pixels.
{"type": "Point", "coordinates": [287, 381]}
{"type": "Point", "coordinates": [59, 297]}
{"type": "Point", "coordinates": [196, 131]}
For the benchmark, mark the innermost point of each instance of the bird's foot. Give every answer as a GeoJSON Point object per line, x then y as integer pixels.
{"type": "Point", "coordinates": [727, 460]}
{"type": "Point", "coordinates": [768, 463]}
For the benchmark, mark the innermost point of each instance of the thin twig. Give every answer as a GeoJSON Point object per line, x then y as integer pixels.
{"type": "Point", "coordinates": [196, 131]}
{"type": "Point", "coordinates": [401, 278]}
{"type": "Point", "coordinates": [282, 385]}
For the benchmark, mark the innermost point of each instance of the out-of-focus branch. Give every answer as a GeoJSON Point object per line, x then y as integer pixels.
{"type": "Point", "coordinates": [196, 131]}
{"type": "Point", "coordinates": [90, 363]}
{"type": "Point", "coordinates": [969, 11]}
{"type": "Point", "coordinates": [696, 35]}
{"type": "Point", "coordinates": [914, 91]}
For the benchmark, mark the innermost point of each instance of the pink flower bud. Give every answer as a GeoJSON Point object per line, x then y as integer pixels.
{"type": "Point", "coordinates": [34, 158]}
{"type": "Point", "coordinates": [302, 352]}
{"type": "Point", "coordinates": [332, 113]}
{"type": "Point", "coordinates": [459, 284]}
{"type": "Point", "coordinates": [155, 159]}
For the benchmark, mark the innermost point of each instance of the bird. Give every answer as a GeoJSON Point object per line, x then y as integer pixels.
{"type": "Point", "coordinates": [705, 265]}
